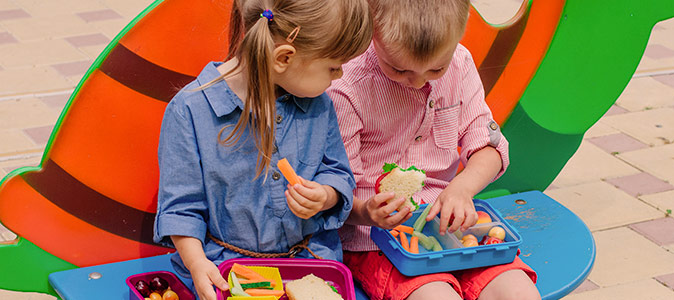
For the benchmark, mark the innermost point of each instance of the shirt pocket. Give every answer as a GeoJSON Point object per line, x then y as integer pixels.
{"type": "Point", "coordinates": [311, 138]}
{"type": "Point", "coordinates": [446, 127]}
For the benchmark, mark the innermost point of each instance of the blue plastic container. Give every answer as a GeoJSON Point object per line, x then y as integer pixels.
{"type": "Point", "coordinates": [454, 255]}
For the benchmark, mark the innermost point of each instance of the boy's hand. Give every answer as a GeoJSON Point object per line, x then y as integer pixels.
{"type": "Point", "coordinates": [456, 210]}
{"type": "Point", "coordinates": [379, 212]}
{"type": "Point", "coordinates": [205, 275]}
{"type": "Point", "coordinates": [308, 198]}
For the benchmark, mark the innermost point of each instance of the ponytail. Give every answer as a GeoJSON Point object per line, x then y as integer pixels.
{"type": "Point", "coordinates": [255, 55]}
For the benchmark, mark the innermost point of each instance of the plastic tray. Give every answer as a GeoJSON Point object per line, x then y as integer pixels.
{"type": "Point", "coordinates": [175, 284]}
{"type": "Point", "coordinates": [335, 273]}
{"type": "Point", "coordinates": [454, 256]}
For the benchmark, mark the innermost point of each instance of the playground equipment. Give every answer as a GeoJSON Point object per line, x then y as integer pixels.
{"type": "Point", "coordinates": [92, 199]}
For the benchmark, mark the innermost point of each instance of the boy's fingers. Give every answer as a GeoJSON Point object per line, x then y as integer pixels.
{"type": "Point", "coordinates": [435, 209]}
{"type": "Point", "coordinates": [399, 217]}
{"type": "Point", "coordinates": [471, 219]}
{"type": "Point", "coordinates": [380, 198]}
{"type": "Point", "coordinates": [445, 216]}
{"type": "Point", "coordinates": [458, 220]}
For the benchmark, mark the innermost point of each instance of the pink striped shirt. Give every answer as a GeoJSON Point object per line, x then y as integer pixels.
{"type": "Point", "coordinates": [382, 121]}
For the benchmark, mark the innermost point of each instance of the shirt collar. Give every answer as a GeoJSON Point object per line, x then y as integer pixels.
{"type": "Point", "coordinates": [224, 101]}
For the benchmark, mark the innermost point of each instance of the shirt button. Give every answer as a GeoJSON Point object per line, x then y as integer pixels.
{"type": "Point", "coordinates": [418, 138]}
{"type": "Point", "coordinates": [431, 104]}
{"type": "Point", "coordinates": [274, 150]}
{"type": "Point", "coordinates": [279, 118]}
{"type": "Point", "coordinates": [276, 175]}
{"type": "Point", "coordinates": [493, 125]}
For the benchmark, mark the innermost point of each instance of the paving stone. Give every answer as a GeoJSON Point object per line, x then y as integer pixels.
{"type": "Point", "coordinates": [615, 110]}
{"type": "Point", "coordinates": [662, 201]}
{"type": "Point", "coordinates": [12, 14]}
{"type": "Point", "coordinates": [646, 289]}
{"type": "Point", "coordinates": [87, 40]}
{"type": "Point", "coordinates": [667, 280]}
{"type": "Point", "coordinates": [666, 79]}
{"type": "Point", "coordinates": [13, 141]}
{"type": "Point", "coordinates": [653, 127]}
{"type": "Point", "coordinates": [48, 27]}
{"type": "Point", "coordinates": [657, 161]}
{"type": "Point", "coordinates": [619, 142]}
{"type": "Point", "coordinates": [56, 102]}
{"type": "Point", "coordinates": [72, 68]}
{"type": "Point", "coordinates": [602, 206]}
{"type": "Point", "coordinates": [657, 51]}
{"type": "Point", "coordinates": [99, 15]}
{"type": "Point", "coordinates": [624, 256]}
{"type": "Point", "coordinates": [591, 164]}
{"type": "Point", "coordinates": [41, 8]}
{"type": "Point", "coordinates": [39, 135]}
{"type": "Point", "coordinates": [645, 93]}
{"type": "Point", "coordinates": [640, 184]}
{"type": "Point", "coordinates": [587, 285]}
{"type": "Point", "coordinates": [659, 231]}
{"type": "Point", "coordinates": [600, 129]}
{"type": "Point", "coordinates": [42, 52]}
{"type": "Point", "coordinates": [7, 38]}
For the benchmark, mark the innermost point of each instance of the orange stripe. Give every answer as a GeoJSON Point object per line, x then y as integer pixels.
{"type": "Point", "coordinates": [479, 36]}
{"type": "Point", "coordinates": [108, 141]}
{"type": "Point", "coordinates": [37, 219]}
{"type": "Point", "coordinates": [201, 26]}
{"type": "Point", "coordinates": [532, 47]}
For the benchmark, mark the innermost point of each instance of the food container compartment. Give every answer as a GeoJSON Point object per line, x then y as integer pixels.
{"type": "Point", "coordinates": [454, 255]}
{"type": "Point", "coordinates": [184, 293]}
{"type": "Point", "coordinates": [333, 272]}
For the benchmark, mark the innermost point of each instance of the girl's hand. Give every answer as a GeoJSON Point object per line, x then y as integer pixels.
{"type": "Point", "coordinates": [308, 198]}
{"type": "Point", "coordinates": [205, 275]}
{"type": "Point", "coordinates": [379, 212]}
{"type": "Point", "coordinates": [456, 210]}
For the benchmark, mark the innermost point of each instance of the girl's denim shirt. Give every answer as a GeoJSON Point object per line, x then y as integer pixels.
{"type": "Point", "coordinates": [205, 186]}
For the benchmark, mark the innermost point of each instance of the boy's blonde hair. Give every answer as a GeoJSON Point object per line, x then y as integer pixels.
{"type": "Point", "coordinates": [335, 29]}
{"type": "Point", "coordinates": [419, 28]}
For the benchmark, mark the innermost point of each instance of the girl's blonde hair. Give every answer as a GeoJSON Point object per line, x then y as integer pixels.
{"type": "Point", "coordinates": [335, 29]}
{"type": "Point", "coordinates": [419, 28]}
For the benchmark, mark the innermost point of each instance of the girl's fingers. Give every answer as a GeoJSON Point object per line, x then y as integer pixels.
{"type": "Point", "coordinates": [218, 280]}
{"type": "Point", "coordinates": [298, 197]}
{"type": "Point", "coordinates": [390, 207]}
{"type": "Point", "coordinates": [398, 218]}
{"type": "Point", "coordinates": [296, 208]}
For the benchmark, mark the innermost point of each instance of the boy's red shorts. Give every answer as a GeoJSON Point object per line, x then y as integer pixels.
{"type": "Point", "coordinates": [381, 280]}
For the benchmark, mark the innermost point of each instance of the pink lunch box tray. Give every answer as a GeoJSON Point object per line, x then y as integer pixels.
{"type": "Point", "coordinates": [334, 272]}
{"type": "Point", "coordinates": [174, 282]}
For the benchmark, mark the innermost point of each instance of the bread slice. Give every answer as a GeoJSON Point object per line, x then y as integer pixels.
{"type": "Point", "coordinates": [402, 182]}
{"type": "Point", "coordinates": [310, 287]}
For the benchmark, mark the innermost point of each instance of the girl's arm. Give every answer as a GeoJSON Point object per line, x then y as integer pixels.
{"type": "Point", "coordinates": [205, 273]}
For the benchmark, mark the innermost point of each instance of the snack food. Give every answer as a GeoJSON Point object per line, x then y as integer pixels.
{"type": "Point", "coordinates": [403, 182]}
{"type": "Point", "coordinates": [311, 287]}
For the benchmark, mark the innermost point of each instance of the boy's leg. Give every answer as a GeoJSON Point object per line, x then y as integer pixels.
{"type": "Point", "coordinates": [508, 281]}
{"type": "Point", "coordinates": [435, 290]}
{"type": "Point", "coordinates": [381, 280]}
{"type": "Point", "coordinates": [512, 284]}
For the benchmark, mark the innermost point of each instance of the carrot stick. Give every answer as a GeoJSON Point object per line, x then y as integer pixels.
{"type": "Point", "coordinates": [395, 233]}
{"type": "Point", "coordinates": [261, 292]}
{"type": "Point", "coordinates": [414, 244]}
{"type": "Point", "coordinates": [288, 172]}
{"type": "Point", "coordinates": [248, 273]}
{"type": "Point", "coordinates": [404, 242]}
{"type": "Point", "coordinates": [405, 229]}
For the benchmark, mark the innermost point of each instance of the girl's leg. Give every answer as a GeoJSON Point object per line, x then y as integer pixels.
{"type": "Point", "coordinates": [510, 285]}
{"type": "Point", "coordinates": [435, 290]}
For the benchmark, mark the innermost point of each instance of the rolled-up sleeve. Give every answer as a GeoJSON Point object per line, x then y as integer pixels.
{"type": "Point", "coordinates": [334, 171]}
{"type": "Point", "coordinates": [477, 126]}
{"type": "Point", "coordinates": [181, 206]}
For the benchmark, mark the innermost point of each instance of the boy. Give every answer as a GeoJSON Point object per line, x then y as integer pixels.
{"type": "Point", "coordinates": [412, 98]}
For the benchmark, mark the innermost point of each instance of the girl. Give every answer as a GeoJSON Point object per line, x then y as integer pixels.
{"type": "Point", "coordinates": [221, 195]}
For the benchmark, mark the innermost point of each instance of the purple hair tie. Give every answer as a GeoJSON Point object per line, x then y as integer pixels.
{"type": "Point", "coordinates": [267, 14]}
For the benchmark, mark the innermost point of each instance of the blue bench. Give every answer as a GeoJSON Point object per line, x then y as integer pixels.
{"type": "Point", "coordinates": [556, 243]}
